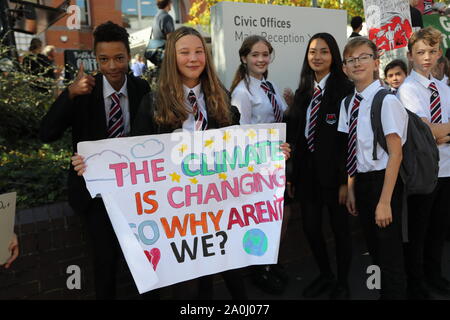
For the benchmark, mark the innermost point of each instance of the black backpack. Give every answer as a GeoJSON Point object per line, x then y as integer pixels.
{"type": "Point", "coordinates": [420, 166]}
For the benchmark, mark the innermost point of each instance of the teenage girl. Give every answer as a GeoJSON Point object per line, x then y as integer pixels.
{"type": "Point", "coordinates": [319, 177]}
{"type": "Point", "coordinates": [189, 96]}
{"type": "Point", "coordinates": [259, 101]}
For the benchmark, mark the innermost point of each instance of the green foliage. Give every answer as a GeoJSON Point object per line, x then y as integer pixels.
{"type": "Point", "coordinates": [36, 171]}
{"type": "Point", "coordinates": [200, 9]}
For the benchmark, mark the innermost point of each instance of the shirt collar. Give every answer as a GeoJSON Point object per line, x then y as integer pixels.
{"type": "Point", "coordinates": [108, 90]}
{"type": "Point", "coordinates": [421, 79]}
{"type": "Point", "coordinates": [370, 91]}
{"type": "Point", "coordinates": [322, 82]}
{"type": "Point", "coordinates": [197, 91]}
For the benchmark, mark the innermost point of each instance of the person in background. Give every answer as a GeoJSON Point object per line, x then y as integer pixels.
{"type": "Point", "coordinates": [395, 73]}
{"type": "Point", "coordinates": [416, 15]}
{"type": "Point", "coordinates": [440, 71]}
{"type": "Point", "coordinates": [51, 72]}
{"type": "Point", "coordinates": [356, 24]}
{"type": "Point", "coordinates": [138, 67]}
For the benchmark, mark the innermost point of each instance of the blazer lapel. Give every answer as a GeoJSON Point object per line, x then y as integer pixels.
{"type": "Point", "coordinates": [99, 115]}
{"type": "Point", "coordinates": [132, 98]}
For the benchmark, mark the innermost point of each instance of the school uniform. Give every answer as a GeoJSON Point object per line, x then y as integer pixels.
{"type": "Point", "coordinates": [89, 118]}
{"type": "Point", "coordinates": [319, 170]}
{"type": "Point", "coordinates": [384, 244]}
{"type": "Point", "coordinates": [428, 214]}
{"type": "Point", "coordinates": [201, 288]}
{"type": "Point", "coordinates": [253, 103]}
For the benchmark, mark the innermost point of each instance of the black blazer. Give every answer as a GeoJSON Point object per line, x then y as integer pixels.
{"type": "Point", "coordinates": [86, 116]}
{"type": "Point", "coordinates": [145, 124]}
{"type": "Point", "coordinates": [330, 145]}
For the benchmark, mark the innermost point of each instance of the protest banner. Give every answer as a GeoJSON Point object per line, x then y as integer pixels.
{"type": "Point", "coordinates": [389, 26]}
{"type": "Point", "coordinates": [188, 204]}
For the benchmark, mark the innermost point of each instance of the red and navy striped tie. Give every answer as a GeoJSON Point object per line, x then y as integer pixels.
{"type": "Point", "coordinates": [269, 90]}
{"type": "Point", "coordinates": [200, 121]}
{"type": "Point", "coordinates": [315, 105]}
{"type": "Point", "coordinates": [351, 159]}
{"type": "Point", "coordinates": [435, 104]}
{"type": "Point", "coordinates": [116, 126]}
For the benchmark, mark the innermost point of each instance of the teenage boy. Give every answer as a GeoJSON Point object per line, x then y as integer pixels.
{"type": "Point", "coordinates": [96, 108]}
{"type": "Point", "coordinates": [375, 188]}
{"type": "Point", "coordinates": [428, 214]}
{"type": "Point", "coordinates": [395, 73]}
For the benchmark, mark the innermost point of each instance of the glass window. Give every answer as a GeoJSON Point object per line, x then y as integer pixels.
{"type": "Point", "coordinates": [84, 7]}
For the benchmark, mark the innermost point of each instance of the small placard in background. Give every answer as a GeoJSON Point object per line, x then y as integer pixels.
{"type": "Point", "coordinates": [7, 213]}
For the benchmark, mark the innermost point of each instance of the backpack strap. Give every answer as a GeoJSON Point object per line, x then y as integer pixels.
{"type": "Point", "coordinates": [375, 120]}
{"type": "Point", "coordinates": [347, 101]}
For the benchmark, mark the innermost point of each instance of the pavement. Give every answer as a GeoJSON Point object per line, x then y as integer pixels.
{"type": "Point", "coordinates": [301, 268]}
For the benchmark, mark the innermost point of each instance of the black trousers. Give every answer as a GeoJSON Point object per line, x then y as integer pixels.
{"type": "Point", "coordinates": [384, 244]}
{"type": "Point", "coordinates": [419, 210]}
{"type": "Point", "coordinates": [106, 252]}
{"type": "Point", "coordinates": [313, 201]}
{"type": "Point", "coordinates": [437, 229]}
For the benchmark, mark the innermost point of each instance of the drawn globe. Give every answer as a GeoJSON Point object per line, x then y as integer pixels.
{"type": "Point", "coordinates": [255, 242]}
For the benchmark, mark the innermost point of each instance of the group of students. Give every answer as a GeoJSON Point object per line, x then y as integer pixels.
{"type": "Point", "coordinates": [331, 163]}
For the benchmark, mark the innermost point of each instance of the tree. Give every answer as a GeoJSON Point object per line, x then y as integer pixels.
{"type": "Point", "coordinates": [200, 10]}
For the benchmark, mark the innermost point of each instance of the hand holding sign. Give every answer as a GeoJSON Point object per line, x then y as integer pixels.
{"type": "Point", "coordinates": [82, 85]}
{"type": "Point", "coordinates": [78, 164]}
{"type": "Point", "coordinates": [14, 249]}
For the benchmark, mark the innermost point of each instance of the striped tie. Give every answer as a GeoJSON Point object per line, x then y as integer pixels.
{"type": "Point", "coordinates": [435, 104]}
{"type": "Point", "coordinates": [351, 159]}
{"type": "Point", "coordinates": [115, 119]}
{"type": "Point", "coordinates": [268, 89]}
{"type": "Point", "coordinates": [315, 105]}
{"type": "Point", "coordinates": [200, 121]}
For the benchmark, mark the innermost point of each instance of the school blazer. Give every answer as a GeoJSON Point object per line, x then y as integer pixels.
{"type": "Point", "coordinates": [145, 124]}
{"type": "Point", "coordinates": [86, 116]}
{"type": "Point", "coordinates": [330, 145]}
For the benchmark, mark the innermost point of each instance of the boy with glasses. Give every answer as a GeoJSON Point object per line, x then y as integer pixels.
{"type": "Point", "coordinates": [374, 186]}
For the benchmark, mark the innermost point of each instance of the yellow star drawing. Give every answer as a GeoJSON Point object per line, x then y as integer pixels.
{"type": "Point", "coordinates": [209, 143]}
{"type": "Point", "coordinates": [278, 166]}
{"type": "Point", "coordinates": [223, 176]}
{"type": "Point", "coordinates": [193, 180]}
{"type": "Point", "coordinates": [175, 177]}
{"type": "Point", "coordinates": [273, 131]}
{"type": "Point", "coordinates": [226, 136]}
{"type": "Point", "coordinates": [251, 134]}
{"type": "Point", "coordinates": [251, 169]}
{"type": "Point", "coordinates": [183, 148]}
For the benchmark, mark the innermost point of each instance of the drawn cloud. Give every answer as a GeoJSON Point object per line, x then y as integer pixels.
{"type": "Point", "coordinates": [149, 148]}
{"type": "Point", "coordinates": [98, 165]}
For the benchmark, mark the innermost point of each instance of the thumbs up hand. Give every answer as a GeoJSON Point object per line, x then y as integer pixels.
{"type": "Point", "coordinates": [82, 85]}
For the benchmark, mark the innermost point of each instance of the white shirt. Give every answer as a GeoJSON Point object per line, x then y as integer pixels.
{"type": "Point", "coordinates": [415, 95]}
{"type": "Point", "coordinates": [445, 80]}
{"type": "Point", "coordinates": [108, 90]}
{"type": "Point", "coordinates": [322, 85]}
{"type": "Point", "coordinates": [189, 123]}
{"type": "Point", "coordinates": [255, 106]}
{"type": "Point", "coordinates": [394, 119]}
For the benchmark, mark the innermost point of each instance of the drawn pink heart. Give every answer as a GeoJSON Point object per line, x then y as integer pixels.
{"type": "Point", "coordinates": [153, 256]}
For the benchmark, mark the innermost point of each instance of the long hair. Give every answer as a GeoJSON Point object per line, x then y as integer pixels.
{"type": "Point", "coordinates": [307, 75]}
{"type": "Point", "coordinates": [171, 110]}
{"type": "Point", "coordinates": [245, 49]}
